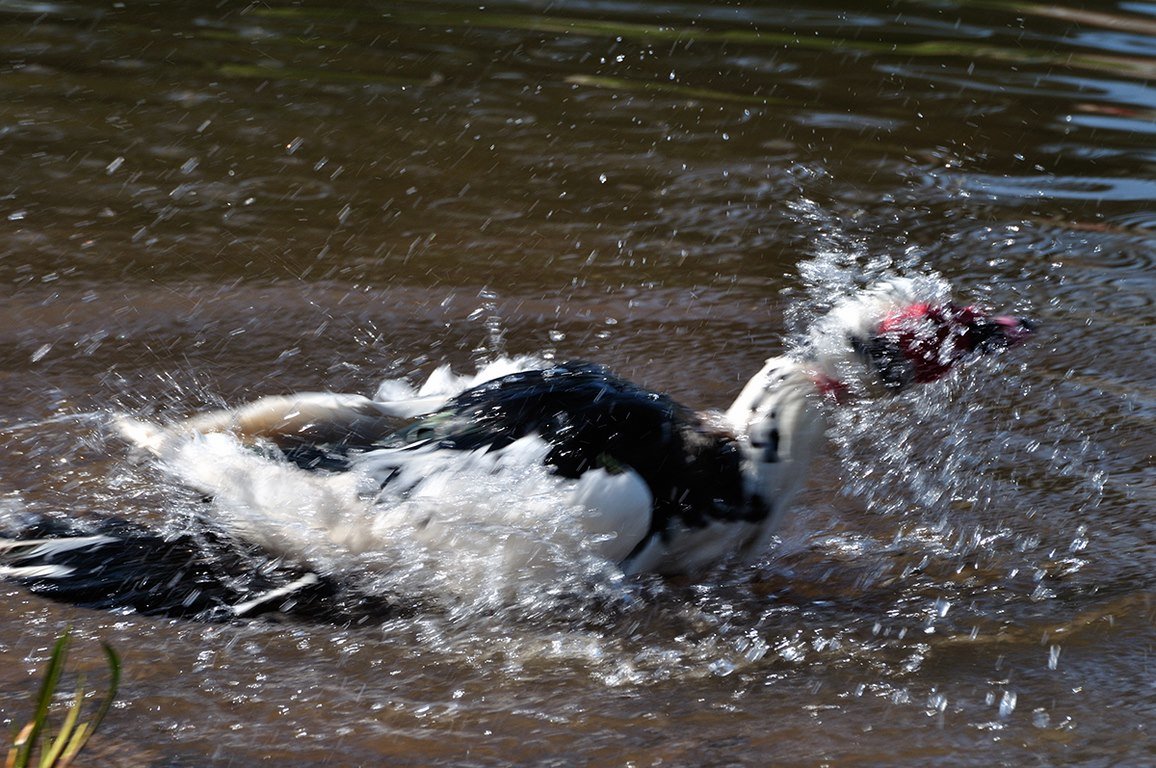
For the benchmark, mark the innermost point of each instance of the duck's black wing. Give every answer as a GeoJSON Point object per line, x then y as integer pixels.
{"type": "Point", "coordinates": [593, 419]}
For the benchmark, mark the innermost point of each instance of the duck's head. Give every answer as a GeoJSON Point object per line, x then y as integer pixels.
{"type": "Point", "coordinates": [908, 332]}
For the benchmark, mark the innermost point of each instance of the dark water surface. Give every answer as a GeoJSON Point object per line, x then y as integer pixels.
{"type": "Point", "coordinates": [201, 204]}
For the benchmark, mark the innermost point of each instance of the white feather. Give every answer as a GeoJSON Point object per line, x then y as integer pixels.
{"type": "Point", "coordinates": [34, 549]}
{"type": "Point", "coordinates": [615, 511]}
{"type": "Point", "coordinates": [48, 547]}
{"type": "Point", "coordinates": [35, 572]}
{"type": "Point", "coordinates": [778, 412]}
{"type": "Point", "coordinates": [462, 523]}
{"type": "Point", "coordinates": [309, 579]}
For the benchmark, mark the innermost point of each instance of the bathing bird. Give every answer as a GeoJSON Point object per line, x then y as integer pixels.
{"type": "Point", "coordinates": [649, 485]}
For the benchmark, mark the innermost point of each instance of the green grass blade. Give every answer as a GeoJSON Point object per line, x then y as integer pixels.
{"type": "Point", "coordinates": [73, 734]}
{"type": "Point", "coordinates": [52, 674]}
{"type": "Point", "coordinates": [85, 731]}
{"type": "Point", "coordinates": [67, 730]}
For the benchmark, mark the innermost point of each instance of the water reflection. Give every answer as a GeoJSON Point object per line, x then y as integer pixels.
{"type": "Point", "coordinates": [1083, 188]}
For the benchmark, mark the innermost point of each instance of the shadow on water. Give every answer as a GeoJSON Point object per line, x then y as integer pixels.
{"type": "Point", "coordinates": [205, 204]}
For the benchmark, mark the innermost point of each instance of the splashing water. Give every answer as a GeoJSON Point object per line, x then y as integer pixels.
{"type": "Point", "coordinates": [948, 468]}
{"type": "Point", "coordinates": [953, 464]}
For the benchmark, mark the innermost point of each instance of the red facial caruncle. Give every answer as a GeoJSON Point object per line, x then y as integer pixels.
{"type": "Point", "coordinates": [929, 339]}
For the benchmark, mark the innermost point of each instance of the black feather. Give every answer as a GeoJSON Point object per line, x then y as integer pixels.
{"type": "Point", "coordinates": [200, 575]}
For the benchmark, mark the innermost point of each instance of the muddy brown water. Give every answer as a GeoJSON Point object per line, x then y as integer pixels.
{"type": "Point", "coordinates": [202, 203]}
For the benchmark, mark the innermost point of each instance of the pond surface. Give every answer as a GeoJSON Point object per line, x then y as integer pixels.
{"type": "Point", "coordinates": [203, 204]}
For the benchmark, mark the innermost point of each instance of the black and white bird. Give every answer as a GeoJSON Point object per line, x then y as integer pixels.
{"type": "Point", "coordinates": [303, 486]}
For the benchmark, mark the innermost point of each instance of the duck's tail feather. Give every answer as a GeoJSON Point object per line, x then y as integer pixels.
{"type": "Point", "coordinates": [204, 576]}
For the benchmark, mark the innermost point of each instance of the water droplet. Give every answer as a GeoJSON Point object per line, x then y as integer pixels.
{"type": "Point", "coordinates": [1007, 703]}
{"type": "Point", "coordinates": [112, 167]}
{"type": "Point", "coordinates": [757, 650]}
{"type": "Point", "coordinates": [721, 667]}
{"type": "Point", "coordinates": [39, 354]}
{"type": "Point", "coordinates": [602, 177]}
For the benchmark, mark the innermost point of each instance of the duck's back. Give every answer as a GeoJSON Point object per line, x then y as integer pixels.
{"type": "Point", "coordinates": [592, 419]}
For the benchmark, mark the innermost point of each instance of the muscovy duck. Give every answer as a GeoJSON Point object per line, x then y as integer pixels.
{"type": "Point", "coordinates": [654, 486]}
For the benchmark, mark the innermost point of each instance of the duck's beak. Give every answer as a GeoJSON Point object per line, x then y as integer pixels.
{"type": "Point", "coordinates": [1001, 331]}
